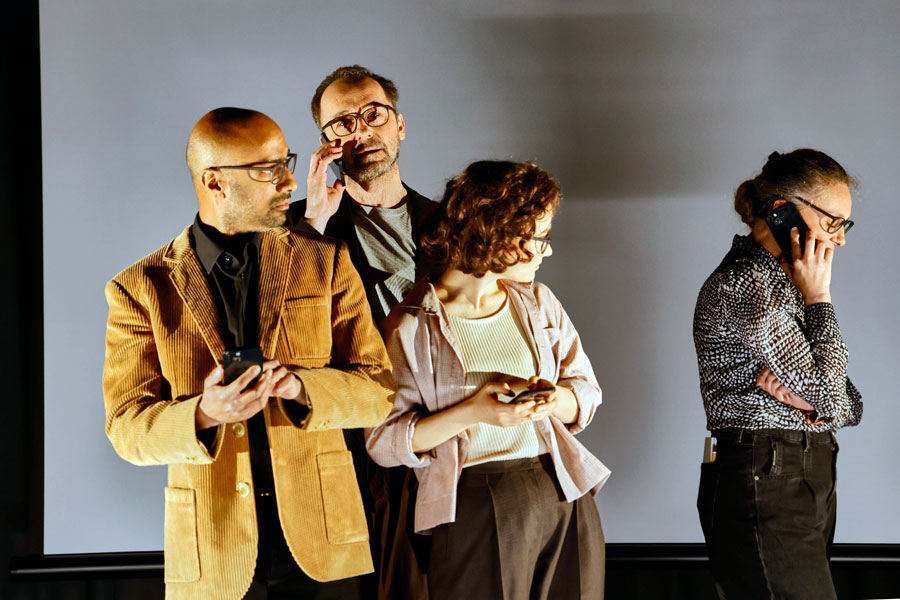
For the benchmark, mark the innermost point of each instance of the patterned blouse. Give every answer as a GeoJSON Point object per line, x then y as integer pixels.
{"type": "Point", "coordinates": [749, 316]}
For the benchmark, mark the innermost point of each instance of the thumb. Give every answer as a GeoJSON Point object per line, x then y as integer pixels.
{"type": "Point", "coordinates": [214, 377]}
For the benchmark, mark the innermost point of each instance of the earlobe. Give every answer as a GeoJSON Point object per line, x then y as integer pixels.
{"type": "Point", "coordinates": [401, 126]}
{"type": "Point", "coordinates": [212, 182]}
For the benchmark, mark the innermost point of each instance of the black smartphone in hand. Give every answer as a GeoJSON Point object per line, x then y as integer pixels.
{"type": "Point", "coordinates": [526, 395]}
{"type": "Point", "coordinates": [781, 221]}
{"type": "Point", "coordinates": [235, 362]}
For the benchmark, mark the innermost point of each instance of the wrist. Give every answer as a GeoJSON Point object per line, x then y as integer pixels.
{"type": "Point", "coordinates": [817, 298]}
{"type": "Point", "coordinates": [204, 421]}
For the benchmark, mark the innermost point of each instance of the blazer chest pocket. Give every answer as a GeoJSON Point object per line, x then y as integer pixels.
{"type": "Point", "coordinates": [306, 325]}
{"type": "Point", "coordinates": [345, 520]}
{"type": "Point", "coordinates": [181, 557]}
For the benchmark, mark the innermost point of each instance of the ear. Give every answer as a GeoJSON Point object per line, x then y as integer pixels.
{"type": "Point", "coordinates": [401, 126]}
{"type": "Point", "coordinates": [779, 202]}
{"type": "Point", "coordinates": [213, 182]}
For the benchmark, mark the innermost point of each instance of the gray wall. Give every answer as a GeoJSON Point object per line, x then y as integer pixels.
{"type": "Point", "coordinates": [649, 114]}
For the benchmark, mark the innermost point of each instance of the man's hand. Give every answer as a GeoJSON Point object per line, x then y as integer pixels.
{"type": "Point", "coordinates": [232, 403]}
{"type": "Point", "coordinates": [285, 384]}
{"type": "Point", "coordinates": [770, 383]}
{"type": "Point", "coordinates": [323, 201]}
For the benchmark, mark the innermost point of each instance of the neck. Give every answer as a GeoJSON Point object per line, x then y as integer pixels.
{"type": "Point", "coordinates": [468, 296]}
{"type": "Point", "coordinates": [210, 218]}
{"type": "Point", "coordinates": [386, 191]}
{"type": "Point", "coordinates": [763, 236]}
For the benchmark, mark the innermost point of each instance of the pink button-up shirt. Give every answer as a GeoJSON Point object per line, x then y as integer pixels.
{"type": "Point", "coordinates": [428, 367]}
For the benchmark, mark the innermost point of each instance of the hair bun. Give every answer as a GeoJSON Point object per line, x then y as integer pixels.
{"type": "Point", "coordinates": [775, 156]}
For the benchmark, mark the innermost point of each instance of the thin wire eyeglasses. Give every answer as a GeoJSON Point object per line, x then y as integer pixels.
{"type": "Point", "coordinates": [542, 242]}
{"type": "Point", "coordinates": [375, 116]}
{"type": "Point", "coordinates": [271, 173]}
{"type": "Point", "coordinates": [834, 224]}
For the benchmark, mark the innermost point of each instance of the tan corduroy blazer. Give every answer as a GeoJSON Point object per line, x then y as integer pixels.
{"type": "Point", "coordinates": [163, 339]}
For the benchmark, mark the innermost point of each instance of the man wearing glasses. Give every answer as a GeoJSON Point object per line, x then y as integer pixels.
{"type": "Point", "coordinates": [260, 480]}
{"type": "Point", "coordinates": [381, 220]}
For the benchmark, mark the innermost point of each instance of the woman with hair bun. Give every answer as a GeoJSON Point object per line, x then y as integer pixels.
{"type": "Point", "coordinates": [505, 489]}
{"type": "Point", "coordinates": [773, 376]}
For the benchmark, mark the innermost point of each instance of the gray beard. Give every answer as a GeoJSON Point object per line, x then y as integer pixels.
{"type": "Point", "coordinates": [371, 172]}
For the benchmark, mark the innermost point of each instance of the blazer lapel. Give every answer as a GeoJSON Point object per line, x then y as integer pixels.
{"type": "Point", "coordinates": [274, 269]}
{"type": "Point", "coordinates": [190, 282]}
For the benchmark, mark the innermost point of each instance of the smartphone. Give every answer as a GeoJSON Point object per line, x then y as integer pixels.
{"type": "Point", "coordinates": [235, 362]}
{"type": "Point", "coordinates": [781, 221]}
{"type": "Point", "coordinates": [526, 395]}
{"type": "Point", "coordinates": [337, 165]}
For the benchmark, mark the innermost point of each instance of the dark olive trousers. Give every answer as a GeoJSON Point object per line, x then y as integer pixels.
{"type": "Point", "coordinates": [516, 538]}
{"type": "Point", "coordinates": [767, 507]}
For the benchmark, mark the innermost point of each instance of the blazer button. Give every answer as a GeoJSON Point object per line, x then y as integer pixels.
{"type": "Point", "coordinates": [243, 490]}
{"type": "Point", "coordinates": [238, 429]}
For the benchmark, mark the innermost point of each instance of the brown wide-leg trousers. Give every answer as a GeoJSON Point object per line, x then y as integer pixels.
{"type": "Point", "coordinates": [516, 538]}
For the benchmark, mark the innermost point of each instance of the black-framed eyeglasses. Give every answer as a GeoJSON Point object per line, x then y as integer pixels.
{"type": "Point", "coordinates": [375, 116]}
{"type": "Point", "coordinates": [542, 242]}
{"type": "Point", "coordinates": [273, 173]}
{"type": "Point", "coordinates": [830, 223]}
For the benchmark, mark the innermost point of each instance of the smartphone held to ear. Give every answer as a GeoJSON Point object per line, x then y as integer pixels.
{"type": "Point", "coordinates": [781, 221]}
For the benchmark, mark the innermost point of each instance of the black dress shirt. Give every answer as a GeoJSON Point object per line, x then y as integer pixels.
{"type": "Point", "coordinates": [231, 264]}
{"type": "Point", "coordinates": [749, 316]}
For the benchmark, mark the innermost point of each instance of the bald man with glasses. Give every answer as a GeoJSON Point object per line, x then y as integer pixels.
{"type": "Point", "coordinates": [262, 497]}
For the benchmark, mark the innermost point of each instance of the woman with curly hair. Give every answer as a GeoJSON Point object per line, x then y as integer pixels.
{"type": "Point", "coordinates": [503, 483]}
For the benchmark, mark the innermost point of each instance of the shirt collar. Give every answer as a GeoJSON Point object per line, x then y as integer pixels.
{"type": "Point", "coordinates": [744, 246]}
{"type": "Point", "coordinates": [210, 243]}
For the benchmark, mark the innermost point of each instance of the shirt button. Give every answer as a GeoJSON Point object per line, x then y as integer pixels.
{"type": "Point", "coordinates": [243, 490]}
{"type": "Point", "coordinates": [238, 429]}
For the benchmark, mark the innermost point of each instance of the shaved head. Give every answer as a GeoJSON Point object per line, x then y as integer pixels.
{"type": "Point", "coordinates": [222, 133]}
{"type": "Point", "coordinates": [231, 198]}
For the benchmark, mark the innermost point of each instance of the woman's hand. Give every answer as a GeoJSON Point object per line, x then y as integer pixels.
{"type": "Point", "coordinates": [565, 406]}
{"type": "Point", "coordinates": [486, 408]}
{"type": "Point", "coordinates": [770, 383]}
{"type": "Point", "coordinates": [812, 270]}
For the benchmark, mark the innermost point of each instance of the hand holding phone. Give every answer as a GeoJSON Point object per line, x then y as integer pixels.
{"type": "Point", "coordinates": [526, 395]}
{"type": "Point", "coordinates": [322, 200]}
{"type": "Point", "coordinates": [336, 166]}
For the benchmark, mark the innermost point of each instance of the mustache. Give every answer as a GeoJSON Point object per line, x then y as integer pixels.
{"type": "Point", "coordinates": [371, 146]}
{"type": "Point", "coordinates": [281, 199]}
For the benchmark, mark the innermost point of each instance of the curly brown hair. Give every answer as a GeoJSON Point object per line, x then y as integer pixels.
{"type": "Point", "coordinates": [488, 214]}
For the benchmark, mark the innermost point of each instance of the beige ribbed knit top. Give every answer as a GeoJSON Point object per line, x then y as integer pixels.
{"type": "Point", "coordinates": [493, 349]}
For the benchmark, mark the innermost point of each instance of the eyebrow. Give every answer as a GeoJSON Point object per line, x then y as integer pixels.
{"type": "Point", "coordinates": [357, 111]}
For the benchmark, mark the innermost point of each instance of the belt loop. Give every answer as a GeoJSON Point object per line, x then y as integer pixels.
{"type": "Point", "coordinates": [740, 434]}
{"type": "Point", "coordinates": [805, 441]}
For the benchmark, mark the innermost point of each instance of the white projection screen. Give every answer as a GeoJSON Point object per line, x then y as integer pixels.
{"type": "Point", "coordinates": [650, 113]}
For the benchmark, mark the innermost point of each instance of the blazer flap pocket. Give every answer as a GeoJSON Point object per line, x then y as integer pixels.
{"type": "Point", "coordinates": [345, 520]}
{"type": "Point", "coordinates": [306, 324]}
{"type": "Point", "coordinates": [334, 459]}
{"type": "Point", "coordinates": [179, 496]}
{"type": "Point", "coordinates": [181, 558]}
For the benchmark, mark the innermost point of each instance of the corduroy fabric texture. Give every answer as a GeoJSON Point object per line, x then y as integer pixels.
{"type": "Point", "coordinates": [163, 340]}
